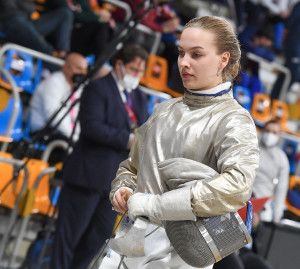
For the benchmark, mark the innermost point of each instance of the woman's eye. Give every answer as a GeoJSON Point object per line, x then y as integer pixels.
{"type": "Point", "coordinates": [196, 55]}
{"type": "Point", "coordinates": [180, 53]}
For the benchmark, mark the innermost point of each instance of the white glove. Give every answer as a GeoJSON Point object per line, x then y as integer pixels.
{"type": "Point", "coordinates": [172, 205]}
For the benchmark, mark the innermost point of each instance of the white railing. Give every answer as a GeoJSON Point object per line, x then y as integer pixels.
{"type": "Point", "coordinates": [15, 90]}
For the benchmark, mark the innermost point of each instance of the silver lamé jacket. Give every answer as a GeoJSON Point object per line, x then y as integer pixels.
{"type": "Point", "coordinates": [184, 140]}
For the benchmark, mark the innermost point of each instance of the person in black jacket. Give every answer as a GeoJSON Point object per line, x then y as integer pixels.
{"type": "Point", "coordinates": [20, 27]}
{"type": "Point", "coordinates": [93, 24]}
{"type": "Point", "coordinates": [110, 110]}
{"type": "Point", "coordinates": [91, 27]}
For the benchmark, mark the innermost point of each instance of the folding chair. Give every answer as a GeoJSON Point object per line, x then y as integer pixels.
{"type": "Point", "coordinates": [156, 75]}
{"type": "Point", "coordinates": [261, 109]}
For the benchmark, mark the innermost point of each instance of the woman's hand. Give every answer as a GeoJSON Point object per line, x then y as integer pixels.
{"type": "Point", "coordinates": [120, 199]}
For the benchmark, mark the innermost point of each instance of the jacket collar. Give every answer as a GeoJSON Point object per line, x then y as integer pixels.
{"type": "Point", "coordinates": [209, 97]}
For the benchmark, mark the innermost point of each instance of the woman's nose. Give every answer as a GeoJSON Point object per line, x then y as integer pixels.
{"type": "Point", "coordinates": [183, 61]}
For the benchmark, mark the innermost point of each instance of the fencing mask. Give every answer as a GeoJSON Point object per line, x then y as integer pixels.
{"type": "Point", "coordinates": [206, 241]}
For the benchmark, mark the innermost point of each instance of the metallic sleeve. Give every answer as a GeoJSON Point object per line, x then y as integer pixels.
{"type": "Point", "coordinates": [236, 149]}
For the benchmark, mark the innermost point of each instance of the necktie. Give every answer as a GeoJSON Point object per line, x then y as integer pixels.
{"type": "Point", "coordinates": [128, 98]}
{"type": "Point", "coordinates": [129, 110]}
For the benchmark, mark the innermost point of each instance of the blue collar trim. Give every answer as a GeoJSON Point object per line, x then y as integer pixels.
{"type": "Point", "coordinates": [213, 94]}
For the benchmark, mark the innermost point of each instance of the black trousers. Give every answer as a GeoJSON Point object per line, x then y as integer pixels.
{"type": "Point", "coordinates": [232, 261]}
{"type": "Point", "coordinates": [247, 259]}
{"type": "Point", "coordinates": [90, 37]}
{"type": "Point", "coordinates": [84, 222]}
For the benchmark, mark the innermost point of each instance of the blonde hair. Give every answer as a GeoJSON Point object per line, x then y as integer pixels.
{"type": "Point", "coordinates": [226, 41]}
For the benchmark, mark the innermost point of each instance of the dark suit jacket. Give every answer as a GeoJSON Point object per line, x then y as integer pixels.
{"type": "Point", "coordinates": [105, 129]}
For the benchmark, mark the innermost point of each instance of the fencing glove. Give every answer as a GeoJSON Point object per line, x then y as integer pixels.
{"type": "Point", "coordinates": [171, 205]}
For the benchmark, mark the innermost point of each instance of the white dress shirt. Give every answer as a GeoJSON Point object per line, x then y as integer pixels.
{"type": "Point", "coordinates": [47, 98]}
{"type": "Point", "coordinates": [123, 96]}
{"type": "Point", "coordinates": [120, 87]}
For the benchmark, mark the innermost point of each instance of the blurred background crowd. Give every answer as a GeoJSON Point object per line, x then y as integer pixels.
{"type": "Point", "coordinates": [61, 40]}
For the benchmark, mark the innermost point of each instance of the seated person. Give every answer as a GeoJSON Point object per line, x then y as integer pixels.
{"type": "Point", "coordinates": [51, 93]}
{"type": "Point", "coordinates": [21, 28]}
{"type": "Point", "coordinates": [161, 18]}
{"type": "Point", "coordinates": [258, 42]}
{"type": "Point", "coordinates": [93, 28]}
{"type": "Point", "coordinates": [272, 176]}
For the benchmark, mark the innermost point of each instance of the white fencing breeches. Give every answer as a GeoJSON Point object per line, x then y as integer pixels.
{"type": "Point", "coordinates": [159, 254]}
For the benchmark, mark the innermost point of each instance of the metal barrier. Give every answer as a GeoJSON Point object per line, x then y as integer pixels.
{"type": "Point", "coordinates": [274, 67]}
{"type": "Point", "coordinates": [16, 98]}
{"type": "Point", "coordinates": [15, 91]}
{"type": "Point", "coordinates": [51, 146]}
{"type": "Point", "coordinates": [36, 54]}
{"type": "Point", "coordinates": [14, 212]}
{"type": "Point", "coordinates": [122, 5]}
{"type": "Point", "coordinates": [157, 37]}
{"type": "Point", "coordinates": [25, 220]}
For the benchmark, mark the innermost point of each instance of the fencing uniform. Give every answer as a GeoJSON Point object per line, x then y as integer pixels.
{"type": "Point", "coordinates": [182, 141]}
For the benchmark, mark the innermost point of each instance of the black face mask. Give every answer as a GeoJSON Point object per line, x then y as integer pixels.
{"type": "Point", "coordinates": [77, 78]}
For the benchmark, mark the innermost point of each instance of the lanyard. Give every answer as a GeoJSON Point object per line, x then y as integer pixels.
{"type": "Point", "coordinates": [130, 112]}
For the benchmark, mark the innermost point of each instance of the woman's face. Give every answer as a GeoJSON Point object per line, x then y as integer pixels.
{"type": "Point", "coordinates": [199, 64]}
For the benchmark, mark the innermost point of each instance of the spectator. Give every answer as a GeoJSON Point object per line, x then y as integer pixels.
{"type": "Point", "coordinates": [50, 94]}
{"type": "Point", "coordinates": [92, 28]}
{"type": "Point", "coordinates": [291, 50]}
{"type": "Point", "coordinates": [271, 181]}
{"type": "Point", "coordinates": [107, 118]}
{"type": "Point", "coordinates": [264, 9]}
{"type": "Point", "coordinates": [258, 42]}
{"type": "Point", "coordinates": [273, 173]}
{"type": "Point", "coordinates": [20, 28]}
{"type": "Point", "coordinates": [162, 18]}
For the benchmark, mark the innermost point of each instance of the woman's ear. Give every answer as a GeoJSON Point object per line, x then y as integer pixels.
{"type": "Point", "coordinates": [225, 56]}
{"type": "Point", "coordinates": [224, 59]}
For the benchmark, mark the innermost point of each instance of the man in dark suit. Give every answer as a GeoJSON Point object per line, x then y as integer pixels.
{"type": "Point", "coordinates": [110, 109]}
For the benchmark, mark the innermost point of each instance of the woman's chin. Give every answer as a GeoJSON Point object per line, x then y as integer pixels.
{"type": "Point", "coordinates": [188, 85]}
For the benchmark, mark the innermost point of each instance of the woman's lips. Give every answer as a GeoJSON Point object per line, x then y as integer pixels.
{"type": "Point", "coordinates": [186, 75]}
